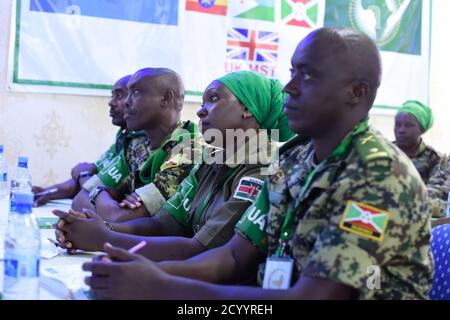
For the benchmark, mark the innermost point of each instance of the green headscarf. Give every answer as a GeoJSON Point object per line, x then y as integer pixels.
{"type": "Point", "coordinates": [421, 112]}
{"type": "Point", "coordinates": [262, 97]}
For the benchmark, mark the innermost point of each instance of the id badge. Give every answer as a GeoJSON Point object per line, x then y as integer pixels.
{"type": "Point", "coordinates": [278, 273]}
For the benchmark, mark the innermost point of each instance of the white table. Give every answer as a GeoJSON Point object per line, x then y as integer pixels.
{"type": "Point", "coordinates": [61, 274]}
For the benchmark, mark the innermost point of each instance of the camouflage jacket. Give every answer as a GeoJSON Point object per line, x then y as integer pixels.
{"type": "Point", "coordinates": [431, 166]}
{"type": "Point", "coordinates": [364, 211]}
{"type": "Point", "coordinates": [153, 174]}
{"type": "Point", "coordinates": [113, 150]}
{"type": "Point", "coordinates": [438, 187]}
{"type": "Point", "coordinates": [425, 160]}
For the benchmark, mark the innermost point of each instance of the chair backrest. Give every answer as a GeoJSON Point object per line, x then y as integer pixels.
{"type": "Point", "coordinates": [440, 245]}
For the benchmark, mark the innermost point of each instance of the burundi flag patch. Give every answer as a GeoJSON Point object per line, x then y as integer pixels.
{"type": "Point", "coordinates": [364, 220]}
{"type": "Point", "coordinates": [248, 189]}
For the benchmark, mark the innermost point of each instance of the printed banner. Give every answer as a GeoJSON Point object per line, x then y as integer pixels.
{"type": "Point", "coordinates": [84, 46]}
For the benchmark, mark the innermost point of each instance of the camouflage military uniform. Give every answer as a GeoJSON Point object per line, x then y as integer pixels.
{"type": "Point", "coordinates": [124, 147]}
{"type": "Point", "coordinates": [153, 174]}
{"type": "Point", "coordinates": [365, 206]}
{"type": "Point", "coordinates": [438, 187]}
{"type": "Point", "coordinates": [113, 150]}
{"type": "Point", "coordinates": [431, 166]}
{"type": "Point", "coordinates": [425, 160]}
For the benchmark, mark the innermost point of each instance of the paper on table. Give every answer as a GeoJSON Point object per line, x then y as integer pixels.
{"type": "Point", "coordinates": [71, 275]}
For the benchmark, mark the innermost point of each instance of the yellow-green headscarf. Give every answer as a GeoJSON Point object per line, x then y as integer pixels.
{"type": "Point", "coordinates": [262, 97]}
{"type": "Point", "coordinates": [421, 112]}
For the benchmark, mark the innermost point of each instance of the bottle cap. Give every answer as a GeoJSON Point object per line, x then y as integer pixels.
{"type": "Point", "coordinates": [23, 161]}
{"type": "Point", "coordinates": [1, 148]}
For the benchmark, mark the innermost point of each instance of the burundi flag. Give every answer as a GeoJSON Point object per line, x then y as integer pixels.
{"type": "Point", "coordinates": [394, 25]}
{"type": "Point", "coordinates": [300, 13]}
{"type": "Point", "coordinates": [254, 9]}
{"type": "Point", "coordinates": [364, 220]}
{"type": "Point", "coordinates": [218, 7]}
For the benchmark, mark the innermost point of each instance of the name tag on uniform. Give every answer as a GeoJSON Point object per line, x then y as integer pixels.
{"type": "Point", "coordinates": [278, 273]}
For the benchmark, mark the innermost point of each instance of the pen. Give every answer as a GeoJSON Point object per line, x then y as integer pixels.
{"type": "Point", "coordinates": [133, 249]}
{"type": "Point", "coordinates": [56, 243]}
{"type": "Point", "coordinates": [137, 247]}
{"type": "Point", "coordinates": [43, 193]}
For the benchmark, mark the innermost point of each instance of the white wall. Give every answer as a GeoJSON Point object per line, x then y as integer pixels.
{"type": "Point", "coordinates": [57, 131]}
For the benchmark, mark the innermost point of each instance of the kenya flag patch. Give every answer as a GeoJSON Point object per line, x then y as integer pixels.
{"type": "Point", "coordinates": [364, 220]}
{"type": "Point", "coordinates": [248, 189]}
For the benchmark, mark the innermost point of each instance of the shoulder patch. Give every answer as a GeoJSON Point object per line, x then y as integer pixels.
{"type": "Point", "coordinates": [371, 148]}
{"type": "Point", "coordinates": [173, 162]}
{"type": "Point", "coordinates": [248, 189]}
{"type": "Point", "coordinates": [364, 220]}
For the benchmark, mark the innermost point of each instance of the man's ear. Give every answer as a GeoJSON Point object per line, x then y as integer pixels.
{"type": "Point", "coordinates": [167, 98]}
{"type": "Point", "coordinates": [358, 91]}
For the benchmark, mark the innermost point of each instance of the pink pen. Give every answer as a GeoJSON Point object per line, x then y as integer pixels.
{"type": "Point", "coordinates": [137, 247]}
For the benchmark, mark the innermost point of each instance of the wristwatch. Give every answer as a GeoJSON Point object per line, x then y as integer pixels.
{"type": "Point", "coordinates": [95, 192]}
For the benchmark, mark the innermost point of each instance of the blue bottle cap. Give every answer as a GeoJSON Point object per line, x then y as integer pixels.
{"type": "Point", "coordinates": [23, 161]}
{"type": "Point", "coordinates": [1, 148]}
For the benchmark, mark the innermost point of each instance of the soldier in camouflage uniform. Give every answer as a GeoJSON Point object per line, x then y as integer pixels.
{"type": "Point", "coordinates": [412, 120]}
{"type": "Point", "coordinates": [345, 208]}
{"type": "Point", "coordinates": [209, 202]}
{"type": "Point", "coordinates": [154, 167]}
{"type": "Point", "coordinates": [83, 171]}
{"type": "Point", "coordinates": [438, 187]}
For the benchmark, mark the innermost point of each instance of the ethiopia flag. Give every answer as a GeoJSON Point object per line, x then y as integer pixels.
{"type": "Point", "coordinates": [364, 220]}
{"type": "Point", "coordinates": [218, 7]}
{"type": "Point", "coordinates": [254, 9]}
{"type": "Point", "coordinates": [301, 13]}
{"type": "Point", "coordinates": [395, 26]}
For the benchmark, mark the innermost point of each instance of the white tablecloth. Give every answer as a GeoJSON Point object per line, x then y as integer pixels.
{"type": "Point", "coordinates": [61, 274]}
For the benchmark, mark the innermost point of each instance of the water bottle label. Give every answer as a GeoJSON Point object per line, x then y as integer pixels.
{"type": "Point", "coordinates": [448, 205]}
{"type": "Point", "coordinates": [12, 204]}
{"type": "Point", "coordinates": [26, 268]}
{"type": "Point", "coordinates": [4, 177]}
{"type": "Point", "coordinates": [11, 268]}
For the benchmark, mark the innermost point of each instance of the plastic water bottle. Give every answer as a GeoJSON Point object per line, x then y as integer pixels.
{"type": "Point", "coordinates": [22, 252]}
{"type": "Point", "coordinates": [20, 181]}
{"type": "Point", "coordinates": [448, 205]}
{"type": "Point", "coordinates": [3, 174]}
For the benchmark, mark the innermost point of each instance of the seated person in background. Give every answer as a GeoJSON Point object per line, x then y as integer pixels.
{"type": "Point", "coordinates": [154, 104]}
{"type": "Point", "coordinates": [438, 188]}
{"type": "Point", "coordinates": [237, 112]}
{"type": "Point", "coordinates": [411, 122]}
{"type": "Point", "coordinates": [83, 171]}
{"type": "Point", "coordinates": [344, 212]}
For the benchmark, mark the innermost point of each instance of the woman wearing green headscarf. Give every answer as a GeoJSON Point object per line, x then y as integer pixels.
{"type": "Point", "coordinates": [240, 114]}
{"type": "Point", "coordinates": [411, 122]}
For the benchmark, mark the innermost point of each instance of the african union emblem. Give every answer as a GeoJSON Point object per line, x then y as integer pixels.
{"type": "Point", "coordinates": [379, 19]}
{"type": "Point", "coordinates": [206, 3]}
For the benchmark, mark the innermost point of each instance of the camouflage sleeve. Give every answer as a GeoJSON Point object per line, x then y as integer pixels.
{"type": "Point", "coordinates": [438, 188]}
{"type": "Point", "coordinates": [167, 180]}
{"type": "Point", "coordinates": [219, 227]}
{"type": "Point", "coordinates": [377, 219]}
{"type": "Point", "coordinates": [252, 225]}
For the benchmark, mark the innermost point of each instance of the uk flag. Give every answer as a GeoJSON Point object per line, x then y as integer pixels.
{"type": "Point", "coordinates": [252, 45]}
